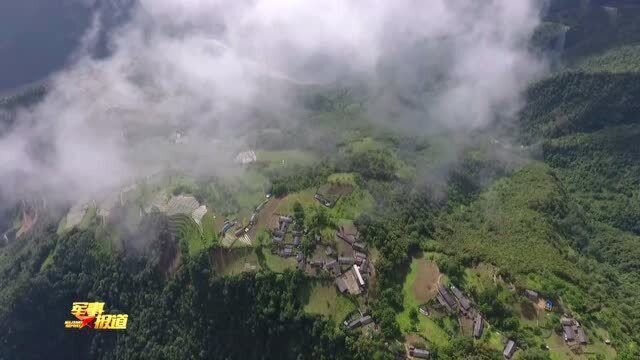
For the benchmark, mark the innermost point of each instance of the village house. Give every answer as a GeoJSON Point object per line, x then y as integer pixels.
{"type": "Point", "coordinates": [341, 285]}
{"type": "Point", "coordinates": [465, 306]}
{"type": "Point", "coordinates": [346, 260]}
{"type": "Point", "coordinates": [348, 238]}
{"type": "Point", "coordinates": [362, 321]}
{"type": "Point", "coordinates": [509, 349]}
{"type": "Point", "coordinates": [478, 326]}
{"type": "Point", "coordinates": [573, 331]}
{"type": "Point", "coordinates": [444, 298]}
{"type": "Point", "coordinates": [328, 251]}
{"type": "Point", "coordinates": [359, 246]}
{"type": "Point", "coordinates": [287, 251]}
{"type": "Point", "coordinates": [356, 270]}
{"type": "Point", "coordinates": [419, 353]}
{"type": "Point", "coordinates": [359, 257]}
{"type": "Point", "coordinates": [531, 295]}
{"type": "Point", "coordinates": [363, 267]}
{"type": "Point", "coordinates": [582, 337]}
{"type": "Point", "coordinates": [300, 265]}
{"type": "Point", "coordinates": [569, 335]}
{"type": "Point", "coordinates": [333, 267]}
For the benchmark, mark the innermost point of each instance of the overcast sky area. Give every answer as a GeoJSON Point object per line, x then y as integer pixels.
{"type": "Point", "coordinates": [205, 66]}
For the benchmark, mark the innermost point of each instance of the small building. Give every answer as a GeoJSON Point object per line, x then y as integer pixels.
{"type": "Point", "coordinates": [299, 257]}
{"type": "Point", "coordinates": [348, 238]}
{"type": "Point", "coordinates": [478, 326]}
{"type": "Point", "coordinates": [328, 251]}
{"type": "Point", "coordinates": [227, 226]}
{"type": "Point", "coordinates": [420, 353]}
{"type": "Point", "coordinates": [285, 219]}
{"type": "Point", "coordinates": [287, 251]}
{"type": "Point", "coordinates": [356, 269]}
{"type": "Point", "coordinates": [354, 324]}
{"type": "Point", "coordinates": [300, 265]}
{"type": "Point", "coordinates": [359, 246]}
{"type": "Point", "coordinates": [509, 349]}
{"type": "Point", "coordinates": [359, 254]}
{"type": "Point", "coordinates": [363, 267]}
{"type": "Point", "coordinates": [582, 337]}
{"type": "Point", "coordinates": [565, 321]}
{"type": "Point", "coordinates": [568, 333]}
{"type": "Point", "coordinates": [296, 241]}
{"type": "Point", "coordinates": [531, 295]}
{"type": "Point", "coordinates": [316, 263]}
{"type": "Point", "coordinates": [333, 267]}
{"type": "Point", "coordinates": [342, 286]}
{"type": "Point", "coordinates": [276, 240]}
{"type": "Point", "coordinates": [365, 320]}
{"type": "Point", "coordinates": [465, 306]}
{"type": "Point", "coordinates": [346, 260]}
{"type": "Point", "coordinates": [445, 298]}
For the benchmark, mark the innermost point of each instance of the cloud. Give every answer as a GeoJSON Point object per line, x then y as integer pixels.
{"type": "Point", "coordinates": [212, 69]}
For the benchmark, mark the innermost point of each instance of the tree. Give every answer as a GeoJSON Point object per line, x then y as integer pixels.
{"type": "Point", "coordinates": [298, 213]}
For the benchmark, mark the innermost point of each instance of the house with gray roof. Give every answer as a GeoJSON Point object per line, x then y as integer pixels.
{"type": "Point", "coordinates": [420, 353]}
{"type": "Point", "coordinates": [509, 349]}
{"type": "Point", "coordinates": [478, 326]}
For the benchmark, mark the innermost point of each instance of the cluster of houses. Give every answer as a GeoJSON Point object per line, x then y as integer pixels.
{"type": "Point", "coordinates": [353, 279]}
{"type": "Point", "coordinates": [573, 332]}
{"type": "Point", "coordinates": [287, 249]}
{"type": "Point", "coordinates": [454, 300]}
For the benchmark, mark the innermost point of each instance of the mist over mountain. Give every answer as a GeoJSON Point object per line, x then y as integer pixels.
{"type": "Point", "coordinates": [215, 70]}
{"type": "Point", "coordinates": [38, 38]}
{"type": "Point", "coordinates": [280, 179]}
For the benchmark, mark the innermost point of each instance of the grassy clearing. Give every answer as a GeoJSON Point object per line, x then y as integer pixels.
{"type": "Point", "coordinates": [249, 189]}
{"type": "Point", "coordinates": [285, 158]}
{"type": "Point", "coordinates": [324, 300]}
{"type": "Point", "coordinates": [234, 262]}
{"type": "Point", "coordinates": [353, 205]}
{"type": "Point", "coordinates": [426, 327]}
{"type": "Point", "coordinates": [305, 198]}
{"type": "Point", "coordinates": [343, 178]}
{"type": "Point", "coordinates": [277, 263]}
{"type": "Point", "coordinates": [88, 218]}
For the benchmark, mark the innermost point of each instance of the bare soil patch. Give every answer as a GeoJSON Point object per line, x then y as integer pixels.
{"type": "Point", "coordinates": [266, 218]}
{"type": "Point", "coordinates": [336, 190]}
{"type": "Point", "coordinates": [425, 286]}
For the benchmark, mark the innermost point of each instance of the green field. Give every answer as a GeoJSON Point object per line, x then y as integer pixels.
{"type": "Point", "coordinates": [325, 300]}
{"type": "Point", "coordinates": [285, 158]}
{"type": "Point", "coordinates": [426, 326]}
{"type": "Point", "coordinates": [343, 178]}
